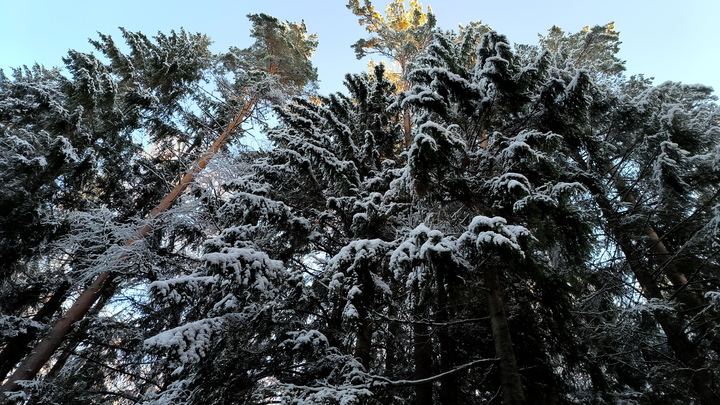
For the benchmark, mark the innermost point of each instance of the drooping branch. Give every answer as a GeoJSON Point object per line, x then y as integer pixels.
{"type": "Point", "coordinates": [409, 383]}
{"type": "Point", "coordinates": [379, 381]}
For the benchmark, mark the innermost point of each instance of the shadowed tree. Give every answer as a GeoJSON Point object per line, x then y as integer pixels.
{"type": "Point", "coordinates": [170, 67]}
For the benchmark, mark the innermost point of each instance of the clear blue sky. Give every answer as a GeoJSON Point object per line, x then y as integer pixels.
{"type": "Point", "coordinates": [668, 40]}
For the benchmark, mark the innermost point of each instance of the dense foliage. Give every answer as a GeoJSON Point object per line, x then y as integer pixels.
{"type": "Point", "coordinates": [549, 235]}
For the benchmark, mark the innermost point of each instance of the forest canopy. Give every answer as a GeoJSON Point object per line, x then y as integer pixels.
{"type": "Point", "coordinates": [472, 221]}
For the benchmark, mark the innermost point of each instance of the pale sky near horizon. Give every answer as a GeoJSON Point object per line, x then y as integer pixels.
{"type": "Point", "coordinates": [677, 41]}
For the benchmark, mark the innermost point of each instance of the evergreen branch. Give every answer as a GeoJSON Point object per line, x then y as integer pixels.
{"type": "Point", "coordinates": [115, 369]}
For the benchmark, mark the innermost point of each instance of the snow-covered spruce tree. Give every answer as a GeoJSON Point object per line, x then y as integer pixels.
{"type": "Point", "coordinates": [31, 159]}
{"type": "Point", "coordinates": [616, 151]}
{"type": "Point", "coordinates": [645, 153]}
{"type": "Point", "coordinates": [549, 236]}
{"type": "Point", "coordinates": [481, 172]}
{"type": "Point", "coordinates": [379, 278]}
{"type": "Point", "coordinates": [642, 154]}
{"type": "Point", "coordinates": [510, 254]}
{"type": "Point", "coordinates": [294, 277]}
{"type": "Point", "coordinates": [77, 133]}
{"type": "Point", "coordinates": [153, 94]}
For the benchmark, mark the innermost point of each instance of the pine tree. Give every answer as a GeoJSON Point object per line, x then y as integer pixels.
{"type": "Point", "coordinates": [401, 36]}
{"type": "Point", "coordinates": [292, 215]}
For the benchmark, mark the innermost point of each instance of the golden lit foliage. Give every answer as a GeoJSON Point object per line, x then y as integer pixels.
{"type": "Point", "coordinates": [400, 35]}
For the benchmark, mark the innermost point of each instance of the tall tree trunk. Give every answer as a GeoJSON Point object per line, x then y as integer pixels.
{"type": "Point", "coordinates": [510, 379]}
{"type": "Point", "coordinates": [363, 344]}
{"type": "Point", "coordinates": [44, 350]}
{"type": "Point", "coordinates": [422, 357]}
{"type": "Point", "coordinates": [448, 384]}
{"type": "Point", "coordinates": [393, 338]}
{"type": "Point", "coordinates": [364, 303]}
{"type": "Point", "coordinates": [407, 128]}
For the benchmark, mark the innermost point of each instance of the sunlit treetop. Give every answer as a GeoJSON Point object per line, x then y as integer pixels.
{"type": "Point", "coordinates": [280, 48]}
{"type": "Point", "coordinates": [400, 35]}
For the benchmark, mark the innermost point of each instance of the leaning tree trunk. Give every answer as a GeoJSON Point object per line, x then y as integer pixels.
{"type": "Point", "coordinates": [71, 343]}
{"type": "Point", "coordinates": [44, 350]}
{"type": "Point", "coordinates": [685, 350]}
{"type": "Point", "coordinates": [19, 346]}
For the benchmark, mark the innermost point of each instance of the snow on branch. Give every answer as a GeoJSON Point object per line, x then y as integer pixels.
{"type": "Point", "coordinates": [190, 341]}
{"type": "Point", "coordinates": [485, 233]}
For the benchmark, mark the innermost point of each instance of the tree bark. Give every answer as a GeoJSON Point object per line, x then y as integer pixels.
{"type": "Point", "coordinates": [71, 344]}
{"type": "Point", "coordinates": [510, 379]}
{"type": "Point", "coordinates": [392, 339]}
{"type": "Point", "coordinates": [19, 346]}
{"type": "Point", "coordinates": [448, 384]}
{"type": "Point", "coordinates": [407, 129]}
{"type": "Point", "coordinates": [28, 369]}
{"type": "Point", "coordinates": [422, 356]}
{"type": "Point", "coordinates": [363, 304]}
